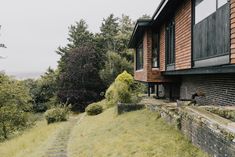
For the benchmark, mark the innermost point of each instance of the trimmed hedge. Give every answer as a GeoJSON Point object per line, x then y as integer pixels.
{"type": "Point", "coordinates": [56, 115]}
{"type": "Point", "coordinates": [94, 109]}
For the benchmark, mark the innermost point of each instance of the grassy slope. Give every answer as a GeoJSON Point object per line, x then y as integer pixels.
{"type": "Point", "coordinates": [32, 142]}
{"type": "Point", "coordinates": [137, 133]}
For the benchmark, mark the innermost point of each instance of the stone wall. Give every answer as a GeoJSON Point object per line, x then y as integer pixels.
{"type": "Point", "coordinates": [218, 89]}
{"type": "Point", "coordinates": [205, 130]}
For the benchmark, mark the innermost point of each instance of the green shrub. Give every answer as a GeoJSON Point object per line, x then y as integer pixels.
{"type": "Point", "coordinates": [57, 114]}
{"type": "Point", "coordinates": [12, 119]}
{"type": "Point", "coordinates": [124, 89]}
{"type": "Point", "coordinates": [94, 109]}
{"type": "Point", "coordinates": [125, 77]}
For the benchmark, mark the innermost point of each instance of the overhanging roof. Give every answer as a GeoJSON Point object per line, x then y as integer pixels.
{"type": "Point", "coordinates": [165, 8]}
{"type": "Point", "coordinates": [138, 31]}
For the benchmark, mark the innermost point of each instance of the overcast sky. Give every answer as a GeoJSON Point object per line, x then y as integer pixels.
{"type": "Point", "coordinates": [33, 29]}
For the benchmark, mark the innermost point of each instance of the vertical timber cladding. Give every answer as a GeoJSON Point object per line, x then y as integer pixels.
{"type": "Point", "coordinates": [162, 48]}
{"type": "Point", "coordinates": [183, 26]}
{"type": "Point", "coordinates": [232, 15]}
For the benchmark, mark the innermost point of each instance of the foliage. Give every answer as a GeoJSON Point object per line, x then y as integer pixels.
{"type": "Point", "coordinates": [11, 120]}
{"type": "Point", "coordinates": [79, 81]}
{"type": "Point", "coordinates": [13, 92]}
{"type": "Point", "coordinates": [14, 106]}
{"type": "Point", "coordinates": [109, 30]}
{"type": "Point", "coordinates": [125, 78]}
{"type": "Point", "coordinates": [114, 65]}
{"type": "Point", "coordinates": [43, 90]}
{"type": "Point", "coordinates": [115, 34]}
{"type": "Point", "coordinates": [124, 89]}
{"type": "Point", "coordinates": [94, 109]}
{"type": "Point", "coordinates": [57, 114]}
{"type": "Point", "coordinates": [90, 62]}
{"type": "Point", "coordinates": [225, 113]}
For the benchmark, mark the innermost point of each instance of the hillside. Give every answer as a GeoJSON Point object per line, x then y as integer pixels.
{"type": "Point", "coordinates": [138, 133]}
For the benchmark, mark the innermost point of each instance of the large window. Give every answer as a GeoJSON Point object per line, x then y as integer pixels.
{"type": "Point", "coordinates": [155, 50]}
{"type": "Point", "coordinates": [170, 43]}
{"type": "Point", "coordinates": [211, 32]}
{"type": "Point", "coordinates": [139, 57]}
{"type": "Point", "coordinates": [204, 8]}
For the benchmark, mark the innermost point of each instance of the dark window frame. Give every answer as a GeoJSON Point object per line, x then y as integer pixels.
{"type": "Point", "coordinates": [155, 47]}
{"type": "Point", "coordinates": [170, 42]}
{"type": "Point", "coordinates": [139, 63]}
{"type": "Point", "coordinates": [194, 10]}
{"type": "Point", "coordinates": [193, 60]}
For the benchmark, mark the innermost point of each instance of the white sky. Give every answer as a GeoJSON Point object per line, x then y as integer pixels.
{"type": "Point", "coordinates": [33, 29]}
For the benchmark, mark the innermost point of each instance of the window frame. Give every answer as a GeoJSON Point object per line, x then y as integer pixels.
{"type": "Point", "coordinates": [155, 46]}
{"type": "Point", "coordinates": [170, 43]}
{"type": "Point", "coordinates": [138, 47]}
{"type": "Point", "coordinates": [194, 12]}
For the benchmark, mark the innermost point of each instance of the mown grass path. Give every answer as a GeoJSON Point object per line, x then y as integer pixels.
{"type": "Point", "coordinates": [58, 147]}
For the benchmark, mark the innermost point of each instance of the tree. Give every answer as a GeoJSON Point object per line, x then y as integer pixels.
{"type": "Point", "coordinates": [109, 29]}
{"type": "Point", "coordinates": [114, 65]}
{"type": "Point", "coordinates": [79, 82]}
{"type": "Point", "coordinates": [14, 105]}
{"type": "Point", "coordinates": [126, 26]}
{"type": "Point", "coordinates": [43, 91]}
{"type": "Point", "coordinates": [78, 35]}
{"type": "Point", "coordinates": [13, 92]}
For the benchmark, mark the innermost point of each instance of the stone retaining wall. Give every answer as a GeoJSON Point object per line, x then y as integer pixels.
{"type": "Point", "coordinates": [211, 133]}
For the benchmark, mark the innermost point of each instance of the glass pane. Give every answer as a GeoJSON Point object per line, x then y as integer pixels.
{"type": "Point", "coordinates": [221, 3]}
{"type": "Point", "coordinates": [204, 9]}
{"type": "Point", "coordinates": [139, 57]}
{"type": "Point", "coordinates": [155, 51]}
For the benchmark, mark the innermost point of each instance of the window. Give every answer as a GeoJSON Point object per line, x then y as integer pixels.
{"type": "Point", "coordinates": [221, 3]}
{"type": "Point", "coordinates": [139, 57]}
{"type": "Point", "coordinates": [204, 8]}
{"type": "Point", "coordinates": [170, 42]}
{"type": "Point", "coordinates": [155, 50]}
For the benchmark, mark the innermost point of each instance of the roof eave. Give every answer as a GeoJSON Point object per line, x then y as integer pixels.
{"type": "Point", "coordinates": [141, 23]}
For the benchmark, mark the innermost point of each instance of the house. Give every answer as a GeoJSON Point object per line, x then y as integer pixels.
{"type": "Point", "coordinates": [188, 47]}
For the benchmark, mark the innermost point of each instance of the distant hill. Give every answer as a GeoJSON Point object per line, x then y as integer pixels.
{"type": "Point", "coordinates": [25, 75]}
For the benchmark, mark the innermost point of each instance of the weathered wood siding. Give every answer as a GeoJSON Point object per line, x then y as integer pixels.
{"type": "Point", "coordinates": [211, 36]}
{"type": "Point", "coordinates": [162, 49]}
{"type": "Point", "coordinates": [183, 19]}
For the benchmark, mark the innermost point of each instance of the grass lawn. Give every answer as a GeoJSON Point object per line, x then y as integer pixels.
{"type": "Point", "coordinates": [137, 133]}
{"type": "Point", "coordinates": [32, 143]}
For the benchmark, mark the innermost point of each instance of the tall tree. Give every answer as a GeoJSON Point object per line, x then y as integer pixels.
{"type": "Point", "coordinates": [109, 29]}
{"type": "Point", "coordinates": [79, 83]}
{"type": "Point", "coordinates": [114, 65]}
{"type": "Point", "coordinates": [78, 36]}
{"type": "Point", "coordinates": [126, 26]}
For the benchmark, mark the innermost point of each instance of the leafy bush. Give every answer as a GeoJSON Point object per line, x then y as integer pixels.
{"type": "Point", "coordinates": [114, 65]}
{"type": "Point", "coordinates": [14, 106]}
{"type": "Point", "coordinates": [57, 114]}
{"type": "Point", "coordinates": [124, 89]}
{"type": "Point", "coordinates": [94, 109]}
{"type": "Point", "coordinates": [11, 120]}
{"type": "Point", "coordinates": [125, 77]}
